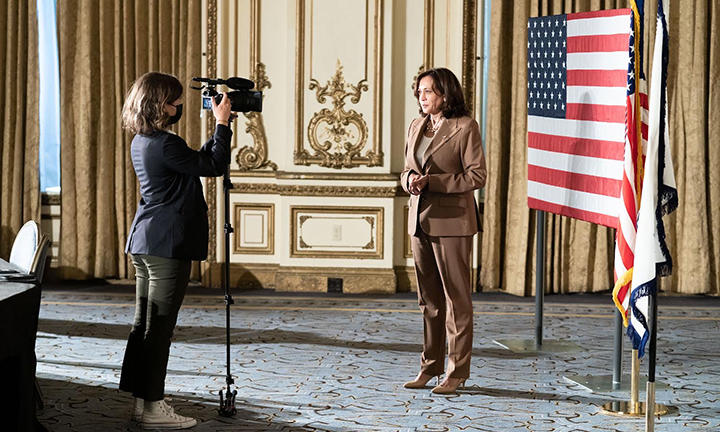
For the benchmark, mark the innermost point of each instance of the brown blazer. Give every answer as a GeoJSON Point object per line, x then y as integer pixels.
{"type": "Point", "coordinates": [455, 163]}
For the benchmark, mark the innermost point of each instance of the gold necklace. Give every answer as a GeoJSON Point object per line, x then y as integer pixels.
{"type": "Point", "coordinates": [433, 126]}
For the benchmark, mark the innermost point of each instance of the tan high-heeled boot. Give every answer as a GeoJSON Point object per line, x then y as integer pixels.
{"type": "Point", "coordinates": [419, 382]}
{"type": "Point", "coordinates": [449, 386]}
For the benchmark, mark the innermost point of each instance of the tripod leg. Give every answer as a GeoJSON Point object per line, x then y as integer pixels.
{"type": "Point", "coordinates": [227, 403]}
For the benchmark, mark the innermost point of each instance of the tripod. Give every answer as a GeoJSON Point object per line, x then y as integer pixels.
{"type": "Point", "coordinates": [227, 403]}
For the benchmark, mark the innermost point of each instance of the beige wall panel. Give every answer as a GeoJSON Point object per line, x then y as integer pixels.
{"type": "Point", "coordinates": [416, 36]}
{"type": "Point", "coordinates": [254, 219]}
{"type": "Point", "coordinates": [337, 232]}
{"type": "Point", "coordinates": [448, 35]}
{"type": "Point", "coordinates": [377, 257]}
{"type": "Point", "coordinates": [277, 53]}
{"type": "Point", "coordinates": [339, 86]}
{"type": "Point", "coordinates": [254, 228]}
{"type": "Point", "coordinates": [338, 31]}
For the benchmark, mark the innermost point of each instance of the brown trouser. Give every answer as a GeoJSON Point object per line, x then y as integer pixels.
{"type": "Point", "coordinates": [442, 267]}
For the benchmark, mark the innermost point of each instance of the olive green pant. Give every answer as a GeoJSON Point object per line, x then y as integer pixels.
{"type": "Point", "coordinates": [159, 292]}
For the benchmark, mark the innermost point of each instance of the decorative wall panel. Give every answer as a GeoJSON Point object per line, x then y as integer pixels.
{"type": "Point", "coordinates": [254, 228]}
{"type": "Point", "coordinates": [325, 232]}
{"type": "Point", "coordinates": [255, 157]}
{"type": "Point", "coordinates": [332, 72]}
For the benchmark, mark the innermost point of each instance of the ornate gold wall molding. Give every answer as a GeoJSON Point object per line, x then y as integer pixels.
{"type": "Point", "coordinates": [406, 278]}
{"type": "Point", "coordinates": [301, 247]}
{"type": "Point", "coordinates": [344, 132]}
{"type": "Point", "coordinates": [318, 190]}
{"type": "Point", "coordinates": [429, 40]}
{"type": "Point", "coordinates": [267, 210]}
{"type": "Point", "coordinates": [313, 279]}
{"type": "Point", "coordinates": [469, 51]}
{"type": "Point", "coordinates": [341, 176]}
{"type": "Point", "coordinates": [299, 78]}
{"type": "Point", "coordinates": [355, 280]}
{"type": "Point", "coordinates": [414, 78]}
{"type": "Point", "coordinates": [211, 65]}
{"type": "Point", "coordinates": [242, 275]}
{"type": "Point", "coordinates": [255, 157]}
{"type": "Point", "coordinates": [336, 136]}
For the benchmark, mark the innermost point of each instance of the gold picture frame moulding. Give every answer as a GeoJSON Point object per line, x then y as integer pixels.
{"type": "Point", "coordinates": [374, 216]}
{"type": "Point", "coordinates": [270, 228]}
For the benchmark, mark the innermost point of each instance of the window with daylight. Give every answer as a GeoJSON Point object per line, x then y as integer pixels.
{"type": "Point", "coordinates": [49, 97]}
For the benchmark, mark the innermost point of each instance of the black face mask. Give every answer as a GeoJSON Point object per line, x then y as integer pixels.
{"type": "Point", "coordinates": [178, 113]}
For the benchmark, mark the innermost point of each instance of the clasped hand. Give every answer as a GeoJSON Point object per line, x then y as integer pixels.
{"type": "Point", "coordinates": [417, 183]}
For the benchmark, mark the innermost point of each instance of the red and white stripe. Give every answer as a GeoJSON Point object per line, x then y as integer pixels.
{"type": "Point", "coordinates": [625, 236]}
{"type": "Point", "coordinates": [627, 218]}
{"type": "Point", "coordinates": [576, 164]}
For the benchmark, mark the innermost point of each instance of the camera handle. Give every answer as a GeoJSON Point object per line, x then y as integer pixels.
{"type": "Point", "coordinates": [227, 403]}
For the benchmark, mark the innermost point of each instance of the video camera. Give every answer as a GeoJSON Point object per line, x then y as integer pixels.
{"type": "Point", "coordinates": [242, 99]}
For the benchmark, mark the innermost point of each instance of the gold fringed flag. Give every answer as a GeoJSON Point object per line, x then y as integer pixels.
{"type": "Point", "coordinates": [659, 197]}
{"type": "Point", "coordinates": [633, 161]}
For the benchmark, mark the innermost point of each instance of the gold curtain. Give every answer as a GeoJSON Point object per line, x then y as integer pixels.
{"type": "Point", "coordinates": [694, 116]}
{"type": "Point", "coordinates": [104, 47]}
{"type": "Point", "coordinates": [20, 127]}
{"type": "Point", "coordinates": [578, 255]}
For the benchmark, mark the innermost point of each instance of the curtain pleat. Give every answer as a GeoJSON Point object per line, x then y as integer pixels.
{"type": "Point", "coordinates": [104, 47]}
{"type": "Point", "coordinates": [579, 255]}
{"type": "Point", "coordinates": [19, 113]}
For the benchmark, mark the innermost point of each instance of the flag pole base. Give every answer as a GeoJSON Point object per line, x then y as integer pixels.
{"type": "Point", "coordinates": [604, 383]}
{"type": "Point", "coordinates": [628, 409]}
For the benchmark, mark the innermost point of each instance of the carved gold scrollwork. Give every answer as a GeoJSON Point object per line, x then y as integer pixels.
{"type": "Point", "coordinates": [253, 158]}
{"type": "Point", "coordinates": [371, 221]}
{"type": "Point", "coordinates": [303, 218]}
{"type": "Point", "coordinates": [338, 136]}
{"type": "Point", "coordinates": [421, 69]}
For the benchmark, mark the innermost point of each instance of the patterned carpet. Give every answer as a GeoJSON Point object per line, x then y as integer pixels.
{"type": "Point", "coordinates": [337, 363]}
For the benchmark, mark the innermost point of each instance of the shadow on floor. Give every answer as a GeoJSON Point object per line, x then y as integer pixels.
{"type": "Point", "coordinates": [216, 335]}
{"type": "Point", "coordinates": [77, 407]}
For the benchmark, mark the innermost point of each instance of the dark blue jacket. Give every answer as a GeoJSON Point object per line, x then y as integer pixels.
{"type": "Point", "coordinates": [171, 219]}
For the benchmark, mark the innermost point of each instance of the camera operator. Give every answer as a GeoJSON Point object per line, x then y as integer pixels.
{"type": "Point", "coordinates": [169, 230]}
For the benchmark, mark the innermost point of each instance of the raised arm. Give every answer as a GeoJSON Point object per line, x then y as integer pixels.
{"type": "Point", "coordinates": [211, 161]}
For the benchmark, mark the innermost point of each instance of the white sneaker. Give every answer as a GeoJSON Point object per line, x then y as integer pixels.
{"type": "Point", "coordinates": [160, 415]}
{"type": "Point", "coordinates": [137, 409]}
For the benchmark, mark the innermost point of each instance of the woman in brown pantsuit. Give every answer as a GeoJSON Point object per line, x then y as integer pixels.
{"type": "Point", "coordinates": [444, 164]}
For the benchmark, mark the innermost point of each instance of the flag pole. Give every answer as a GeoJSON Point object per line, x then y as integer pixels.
{"type": "Point", "coordinates": [539, 344]}
{"type": "Point", "coordinates": [635, 384]}
{"type": "Point", "coordinates": [650, 391]}
{"type": "Point", "coordinates": [539, 276]}
{"type": "Point", "coordinates": [617, 351]}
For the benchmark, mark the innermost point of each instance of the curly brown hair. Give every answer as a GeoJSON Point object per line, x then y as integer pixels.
{"type": "Point", "coordinates": [144, 108]}
{"type": "Point", "coordinates": [446, 84]}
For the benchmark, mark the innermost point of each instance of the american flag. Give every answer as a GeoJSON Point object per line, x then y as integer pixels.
{"type": "Point", "coordinates": [581, 114]}
{"type": "Point", "coordinates": [587, 125]}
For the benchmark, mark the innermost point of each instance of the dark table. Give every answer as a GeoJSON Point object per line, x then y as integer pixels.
{"type": "Point", "coordinates": [19, 310]}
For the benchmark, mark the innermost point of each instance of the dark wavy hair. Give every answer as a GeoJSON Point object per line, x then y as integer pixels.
{"type": "Point", "coordinates": [446, 84]}
{"type": "Point", "coordinates": [144, 108]}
